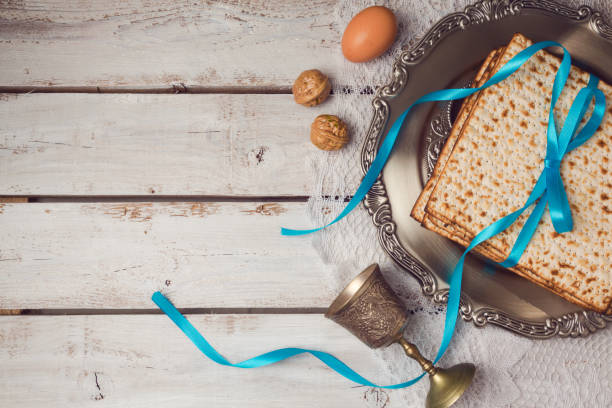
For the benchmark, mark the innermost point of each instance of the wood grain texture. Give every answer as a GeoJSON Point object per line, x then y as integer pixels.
{"type": "Point", "coordinates": [165, 43]}
{"type": "Point", "coordinates": [206, 144]}
{"type": "Point", "coordinates": [115, 255]}
{"type": "Point", "coordinates": [145, 361]}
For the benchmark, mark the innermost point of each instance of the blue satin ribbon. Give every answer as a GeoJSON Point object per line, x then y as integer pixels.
{"type": "Point", "coordinates": [548, 190]}
{"type": "Point", "coordinates": [267, 358]}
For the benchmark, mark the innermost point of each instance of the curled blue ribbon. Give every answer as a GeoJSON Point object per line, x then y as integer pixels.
{"type": "Point", "coordinates": [548, 190]}
{"type": "Point", "coordinates": [267, 358]}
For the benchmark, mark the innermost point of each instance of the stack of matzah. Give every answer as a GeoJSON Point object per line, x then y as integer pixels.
{"type": "Point", "coordinates": [490, 164]}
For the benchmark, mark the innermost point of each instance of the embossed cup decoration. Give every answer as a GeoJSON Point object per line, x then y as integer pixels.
{"type": "Point", "coordinates": [369, 309]}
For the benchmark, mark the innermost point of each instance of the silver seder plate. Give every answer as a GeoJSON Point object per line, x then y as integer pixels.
{"type": "Point", "coordinates": [448, 56]}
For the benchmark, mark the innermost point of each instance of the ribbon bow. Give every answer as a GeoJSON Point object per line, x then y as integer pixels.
{"type": "Point", "coordinates": [568, 140]}
{"type": "Point", "coordinates": [549, 187]}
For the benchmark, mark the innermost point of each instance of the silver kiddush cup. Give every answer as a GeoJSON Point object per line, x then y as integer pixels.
{"type": "Point", "coordinates": [369, 309]}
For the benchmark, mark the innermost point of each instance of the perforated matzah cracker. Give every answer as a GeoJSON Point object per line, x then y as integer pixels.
{"type": "Point", "coordinates": [483, 74]}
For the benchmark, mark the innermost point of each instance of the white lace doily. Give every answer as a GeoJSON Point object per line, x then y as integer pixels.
{"type": "Point", "coordinates": [512, 371]}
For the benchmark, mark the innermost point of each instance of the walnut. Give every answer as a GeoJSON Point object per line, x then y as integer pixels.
{"type": "Point", "coordinates": [328, 132]}
{"type": "Point", "coordinates": [311, 88]}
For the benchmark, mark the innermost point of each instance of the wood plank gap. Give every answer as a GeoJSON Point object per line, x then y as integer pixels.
{"type": "Point", "coordinates": [188, 310]}
{"type": "Point", "coordinates": [166, 198]}
{"type": "Point", "coordinates": [172, 89]}
{"type": "Point", "coordinates": [163, 199]}
{"type": "Point", "coordinates": [181, 89]}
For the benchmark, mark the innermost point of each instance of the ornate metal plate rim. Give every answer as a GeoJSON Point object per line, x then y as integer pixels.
{"type": "Point", "coordinates": [581, 323]}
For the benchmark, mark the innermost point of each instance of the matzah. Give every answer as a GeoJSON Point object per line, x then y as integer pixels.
{"type": "Point", "coordinates": [495, 163]}
{"type": "Point", "coordinates": [418, 211]}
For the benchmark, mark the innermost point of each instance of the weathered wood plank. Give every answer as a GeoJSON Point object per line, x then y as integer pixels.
{"type": "Point", "coordinates": [145, 361]}
{"type": "Point", "coordinates": [88, 144]}
{"type": "Point", "coordinates": [165, 43]}
{"type": "Point", "coordinates": [115, 255]}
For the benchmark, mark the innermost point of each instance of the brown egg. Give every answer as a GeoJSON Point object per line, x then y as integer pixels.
{"type": "Point", "coordinates": [369, 34]}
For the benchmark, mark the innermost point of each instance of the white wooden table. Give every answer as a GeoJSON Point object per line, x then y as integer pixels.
{"type": "Point", "coordinates": [156, 146]}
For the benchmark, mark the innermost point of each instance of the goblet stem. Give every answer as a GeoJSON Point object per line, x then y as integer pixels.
{"type": "Point", "coordinates": [413, 352]}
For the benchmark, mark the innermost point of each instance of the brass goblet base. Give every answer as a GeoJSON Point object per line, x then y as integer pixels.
{"type": "Point", "coordinates": [447, 385]}
{"type": "Point", "coordinates": [369, 309]}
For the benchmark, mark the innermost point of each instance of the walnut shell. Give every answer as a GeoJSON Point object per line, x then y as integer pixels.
{"type": "Point", "coordinates": [328, 132]}
{"type": "Point", "coordinates": [311, 88]}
